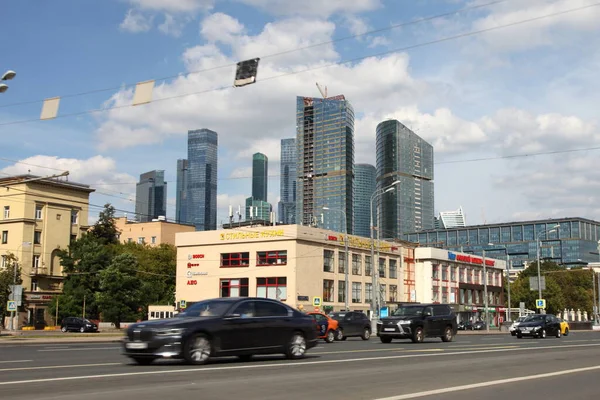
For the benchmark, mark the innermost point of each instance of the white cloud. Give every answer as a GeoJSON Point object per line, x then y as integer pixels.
{"type": "Point", "coordinates": [219, 27]}
{"type": "Point", "coordinates": [314, 7]}
{"type": "Point", "coordinates": [173, 26]}
{"type": "Point", "coordinates": [136, 22]}
{"type": "Point", "coordinates": [174, 6]}
{"type": "Point", "coordinates": [242, 172]}
{"type": "Point", "coordinates": [236, 201]}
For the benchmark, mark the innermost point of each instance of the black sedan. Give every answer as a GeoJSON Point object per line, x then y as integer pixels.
{"type": "Point", "coordinates": [223, 327]}
{"type": "Point", "coordinates": [539, 325]}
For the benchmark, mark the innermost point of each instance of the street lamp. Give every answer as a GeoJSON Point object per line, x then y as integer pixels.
{"type": "Point", "coordinates": [538, 245]}
{"type": "Point", "coordinates": [374, 275]}
{"type": "Point", "coordinates": [508, 315]}
{"type": "Point", "coordinates": [485, 295]}
{"type": "Point", "coordinates": [7, 76]}
{"type": "Point", "coordinates": [12, 294]}
{"type": "Point", "coordinates": [346, 307]}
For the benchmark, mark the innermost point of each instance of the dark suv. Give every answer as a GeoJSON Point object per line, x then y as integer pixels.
{"type": "Point", "coordinates": [352, 323]}
{"type": "Point", "coordinates": [418, 321]}
{"type": "Point", "coordinates": [78, 324]}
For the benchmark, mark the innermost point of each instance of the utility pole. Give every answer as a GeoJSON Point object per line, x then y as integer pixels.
{"type": "Point", "coordinates": [485, 295]}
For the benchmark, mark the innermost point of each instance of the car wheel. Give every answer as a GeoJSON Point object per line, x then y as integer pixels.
{"type": "Point", "coordinates": [245, 357]}
{"type": "Point", "coordinates": [519, 336]}
{"type": "Point", "coordinates": [197, 349]}
{"type": "Point", "coordinates": [513, 334]}
{"type": "Point", "coordinates": [567, 332]}
{"type": "Point", "coordinates": [82, 329]}
{"type": "Point", "coordinates": [339, 334]}
{"type": "Point", "coordinates": [418, 335]}
{"type": "Point", "coordinates": [385, 339]}
{"type": "Point", "coordinates": [366, 334]}
{"type": "Point", "coordinates": [296, 347]}
{"type": "Point", "coordinates": [543, 334]}
{"type": "Point", "coordinates": [344, 337]}
{"type": "Point", "coordinates": [558, 334]}
{"type": "Point", "coordinates": [63, 329]}
{"type": "Point", "coordinates": [448, 336]}
{"type": "Point", "coordinates": [143, 360]}
{"type": "Point", "coordinates": [330, 337]}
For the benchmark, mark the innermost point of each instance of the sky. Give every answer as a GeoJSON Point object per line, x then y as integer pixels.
{"type": "Point", "coordinates": [489, 84]}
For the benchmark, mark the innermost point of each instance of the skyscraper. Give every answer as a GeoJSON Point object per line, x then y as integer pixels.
{"type": "Point", "coordinates": [181, 199]}
{"type": "Point", "coordinates": [201, 206]}
{"type": "Point", "coordinates": [261, 209]}
{"type": "Point", "coordinates": [403, 156]}
{"type": "Point", "coordinates": [325, 143]}
{"type": "Point", "coordinates": [452, 219]}
{"type": "Point", "coordinates": [287, 182]}
{"type": "Point", "coordinates": [364, 187]}
{"type": "Point", "coordinates": [151, 196]}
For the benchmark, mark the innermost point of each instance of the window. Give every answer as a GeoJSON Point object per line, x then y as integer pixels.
{"type": "Point", "coordinates": [342, 291]}
{"type": "Point", "coordinates": [342, 262]}
{"type": "Point", "coordinates": [368, 292]}
{"type": "Point", "coordinates": [153, 240]}
{"type": "Point", "coordinates": [235, 259]}
{"type": "Point", "coordinates": [462, 296]}
{"type": "Point", "coordinates": [74, 215]}
{"type": "Point", "coordinates": [34, 285]}
{"type": "Point", "coordinates": [6, 212]}
{"type": "Point", "coordinates": [356, 292]}
{"type": "Point", "coordinates": [436, 295]}
{"type": "Point", "coordinates": [382, 267]}
{"type": "Point", "coordinates": [393, 269]}
{"type": "Point", "coordinates": [36, 263]}
{"type": "Point", "coordinates": [234, 287]}
{"type": "Point", "coordinates": [453, 273]}
{"type": "Point", "coordinates": [356, 264]}
{"type": "Point", "coordinates": [37, 237]}
{"type": "Point", "coordinates": [73, 238]}
{"type": "Point", "coordinates": [272, 288]}
{"type": "Point", "coordinates": [268, 309]}
{"type": "Point", "coordinates": [38, 212]}
{"type": "Point", "coordinates": [393, 293]}
{"type": "Point", "coordinates": [382, 289]}
{"type": "Point", "coordinates": [327, 290]}
{"type": "Point", "coordinates": [328, 260]}
{"type": "Point", "coordinates": [4, 237]}
{"type": "Point", "coordinates": [435, 271]}
{"type": "Point", "coordinates": [444, 295]}
{"type": "Point", "coordinates": [129, 240]}
{"type": "Point", "coordinates": [140, 240]}
{"type": "Point", "coordinates": [271, 258]}
{"type": "Point", "coordinates": [444, 272]}
{"type": "Point", "coordinates": [4, 264]}
{"type": "Point", "coordinates": [368, 266]}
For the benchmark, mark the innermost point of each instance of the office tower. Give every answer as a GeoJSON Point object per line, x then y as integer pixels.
{"type": "Point", "coordinates": [180, 201]}
{"type": "Point", "coordinates": [287, 182]}
{"type": "Point", "coordinates": [201, 207]}
{"type": "Point", "coordinates": [325, 143]}
{"type": "Point", "coordinates": [260, 167]}
{"type": "Point", "coordinates": [364, 186]}
{"type": "Point", "coordinates": [151, 196]}
{"type": "Point", "coordinates": [451, 219]}
{"type": "Point", "coordinates": [403, 156]}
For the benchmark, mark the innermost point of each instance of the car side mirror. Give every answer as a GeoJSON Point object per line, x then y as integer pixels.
{"type": "Point", "coordinates": [427, 314]}
{"type": "Point", "coordinates": [233, 316]}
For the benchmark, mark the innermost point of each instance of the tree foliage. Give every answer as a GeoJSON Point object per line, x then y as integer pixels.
{"type": "Point", "coordinates": [105, 229]}
{"type": "Point", "coordinates": [6, 280]}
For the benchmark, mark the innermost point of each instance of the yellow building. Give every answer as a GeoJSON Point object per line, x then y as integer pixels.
{"type": "Point", "coordinates": [39, 217]}
{"type": "Point", "coordinates": [152, 233]}
{"type": "Point", "coordinates": [299, 265]}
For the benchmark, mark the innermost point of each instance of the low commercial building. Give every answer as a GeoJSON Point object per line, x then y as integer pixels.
{"type": "Point", "coordinates": [152, 233]}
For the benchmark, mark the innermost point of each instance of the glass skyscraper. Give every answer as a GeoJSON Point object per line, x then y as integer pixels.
{"type": "Point", "coordinates": [201, 207]}
{"type": "Point", "coordinates": [403, 156]}
{"type": "Point", "coordinates": [151, 196]}
{"type": "Point", "coordinates": [287, 182]}
{"type": "Point", "coordinates": [181, 200]}
{"type": "Point", "coordinates": [325, 168]}
{"type": "Point", "coordinates": [364, 187]}
{"type": "Point", "coordinates": [258, 200]}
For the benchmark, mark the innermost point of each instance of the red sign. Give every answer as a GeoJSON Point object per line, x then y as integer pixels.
{"type": "Point", "coordinates": [394, 249]}
{"type": "Point", "coordinates": [190, 265]}
{"type": "Point", "coordinates": [192, 282]}
{"type": "Point", "coordinates": [331, 237]}
{"type": "Point", "coordinates": [474, 260]}
{"type": "Point", "coordinates": [196, 256]}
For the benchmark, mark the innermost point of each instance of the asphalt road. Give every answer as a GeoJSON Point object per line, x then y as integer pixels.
{"type": "Point", "coordinates": [476, 366]}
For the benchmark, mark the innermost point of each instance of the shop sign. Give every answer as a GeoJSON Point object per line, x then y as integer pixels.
{"type": "Point", "coordinates": [192, 282]}
{"type": "Point", "coordinates": [331, 237]}
{"type": "Point", "coordinates": [191, 265]}
{"type": "Point", "coordinates": [191, 274]}
{"type": "Point", "coordinates": [302, 298]}
{"type": "Point", "coordinates": [39, 297]}
{"type": "Point", "coordinates": [195, 256]}
{"type": "Point", "coordinates": [470, 259]}
{"type": "Point", "coordinates": [252, 235]}
{"type": "Point", "coordinates": [354, 241]}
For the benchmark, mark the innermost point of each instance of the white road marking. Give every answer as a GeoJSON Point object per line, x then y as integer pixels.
{"type": "Point", "coordinates": [58, 366]}
{"type": "Point", "coordinates": [489, 383]}
{"type": "Point", "coordinates": [82, 349]}
{"type": "Point", "coordinates": [277, 365]}
{"type": "Point", "coordinates": [15, 361]}
{"type": "Point", "coordinates": [356, 351]}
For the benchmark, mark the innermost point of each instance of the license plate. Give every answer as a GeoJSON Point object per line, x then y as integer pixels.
{"type": "Point", "coordinates": [390, 329]}
{"type": "Point", "coordinates": [136, 346]}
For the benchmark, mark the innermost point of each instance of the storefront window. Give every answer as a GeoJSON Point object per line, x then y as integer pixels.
{"type": "Point", "coordinates": [235, 260]}
{"type": "Point", "coordinates": [356, 264]}
{"type": "Point", "coordinates": [272, 288]}
{"type": "Point", "coordinates": [234, 287]}
{"type": "Point", "coordinates": [444, 272]}
{"type": "Point", "coordinates": [444, 295]}
{"type": "Point", "coordinates": [271, 258]}
{"type": "Point", "coordinates": [382, 267]}
{"type": "Point", "coordinates": [341, 291]}
{"type": "Point", "coordinates": [328, 290]}
{"type": "Point", "coordinates": [435, 272]}
{"type": "Point", "coordinates": [393, 292]}
{"type": "Point", "coordinates": [368, 292]}
{"type": "Point", "coordinates": [368, 266]}
{"type": "Point", "coordinates": [328, 260]}
{"type": "Point", "coordinates": [342, 262]}
{"type": "Point", "coordinates": [436, 295]}
{"type": "Point", "coordinates": [453, 273]}
{"type": "Point", "coordinates": [393, 269]}
{"type": "Point", "coordinates": [462, 296]}
{"type": "Point", "coordinates": [356, 292]}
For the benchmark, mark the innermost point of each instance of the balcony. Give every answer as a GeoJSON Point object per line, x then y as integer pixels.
{"type": "Point", "coordinates": [42, 272]}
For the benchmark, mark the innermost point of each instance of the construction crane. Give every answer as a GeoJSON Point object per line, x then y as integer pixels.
{"type": "Point", "coordinates": [323, 90]}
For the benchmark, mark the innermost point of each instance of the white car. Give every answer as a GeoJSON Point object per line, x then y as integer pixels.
{"type": "Point", "coordinates": [514, 325]}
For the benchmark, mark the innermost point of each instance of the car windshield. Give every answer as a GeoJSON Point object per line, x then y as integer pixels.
{"type": "Point", "coordinates": [87, 321]}
{"type": "Point", "coordinates": [410, 311]}
{"type": "Point", "coordinates": [521, 319]}
{"type": "Point", "coordinates": [534, 318]}
{"type": "Point", "coordinates": [208, 308]}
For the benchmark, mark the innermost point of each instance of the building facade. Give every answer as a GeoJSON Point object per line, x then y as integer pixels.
{"type": "Point", "coordinates": [181, 195]}
{"type": "Point", "coordinates": [325, 168]}
{"type": "Point", "coordinates": [364, 186]}
{"type": "Point", "coordinates": [451, 219]}
{"type": "Point", "coordinates": [151, 196]}
{"type": "Point", "coordinates": [152, 233]}
{"type": "Point", "coordinates": [40, 217]}
{"type": "Point", "coordinates": [201, 207]}
{"type": "Point", "coordinates": [573, 242]}
{"type": "Point", "coordinates": [287, 183]}
{"type": "Point", "coordinates": [404, 156]}
{"type": "Point", "coordinates": [258, 210]}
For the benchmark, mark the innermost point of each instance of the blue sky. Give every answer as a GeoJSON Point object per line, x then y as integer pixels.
{"type": "Point", "coordinates": [525, 89]}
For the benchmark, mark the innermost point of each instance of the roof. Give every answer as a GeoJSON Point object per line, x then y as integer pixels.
{"type": "Point", "coordinates": [28, 178]}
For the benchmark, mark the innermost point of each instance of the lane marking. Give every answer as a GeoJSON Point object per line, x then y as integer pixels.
{"type": "Point", "coordinates": [489, 383]}
{"type": "Point", "coordinates": [276, 365]}
{"type": "Point", "coordinates": [494, 347]}
{"type": "Point", "coordinates": [85, 349]}
{"type": "Point", "coordinates": [421, 350]}
{"type": "Point", "coordinates": [58, 366]}
{"type": "Point", "coordinates": [356, 351]}
{"type": "Point", "coordinates": [15, 361]}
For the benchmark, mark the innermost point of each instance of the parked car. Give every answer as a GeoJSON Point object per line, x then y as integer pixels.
{"type": "Point", "coordinates": [513, 328]}
{"type": "Point", "coordinates": [327, 328]}
{"type": "Point", "coordinates": [564, 327]}
{"type": "Point", "coordinates": [539, 325]}
{"type": "Point", "coordinates": [223, 327]}
{"type": "Point", "coordinates": [76, 324]}
{"type": "Point", "coordinates": [465, 326]}
{"type": "Point", "coordinates": [352, 324]}
{"type": "Point", "coordinates": [478, 326]}
{"type": "Point", "coordinates": [417, 322]}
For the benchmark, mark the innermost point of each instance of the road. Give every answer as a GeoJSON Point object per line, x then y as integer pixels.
{"type": "Point", "coordinates": [477, 366]}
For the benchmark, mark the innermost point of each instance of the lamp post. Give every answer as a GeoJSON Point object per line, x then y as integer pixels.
{"type": "Point", "coordinates": [7, 76]}
{"type": "Point", "coordinates": [538, 245]}
{"type": "Point", "coordinates": [508, 314]}
{"type": "Point", "coordinates": [12, 295]}
{"type": "Point", "coordinates": [346, 307]}
{"type": "Point", "coordinates": [374, 275]}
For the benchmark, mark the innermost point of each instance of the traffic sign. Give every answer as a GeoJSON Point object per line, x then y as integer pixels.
{"type": "Point", "coordinates": [316, 301]}
{"type": "Point", "coordinates": [540, 303]}
{"type": "Point", "coordinates": [11, 305]}
{"type": "Point", "coordinates": [182, 304]}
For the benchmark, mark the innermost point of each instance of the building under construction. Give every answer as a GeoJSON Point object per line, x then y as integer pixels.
{"type": "Point", "coordinates": [325, 140]}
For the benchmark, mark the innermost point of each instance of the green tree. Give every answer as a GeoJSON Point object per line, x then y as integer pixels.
{"type": "Point", "coordinates": [7, 278]}
{"type": "Point", "coordinates": [118, 297]}
{"type": "Point", "coordinates": [105, 229]}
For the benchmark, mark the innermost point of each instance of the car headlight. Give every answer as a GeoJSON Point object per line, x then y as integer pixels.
{"type": "Point", "coordinates": [535, 328]}
{"type": "Point", "coordinates": [402, 322]}
{"type": "Point", "coordinates": [170, 332]}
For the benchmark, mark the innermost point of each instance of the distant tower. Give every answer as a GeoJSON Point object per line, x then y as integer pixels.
{"type": "Point", "coordinates": [151, 196]}
{"type": "Point", "coordinates": [201, 207]}
{"type": "Point", "coordinates": [257, 206]}
{"type": "Point", "coordinates": [364, 187]}
{"type": "Point", "coordinates": [181, 195]}
{"type": "Point", "coordinates": [287, 182]}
